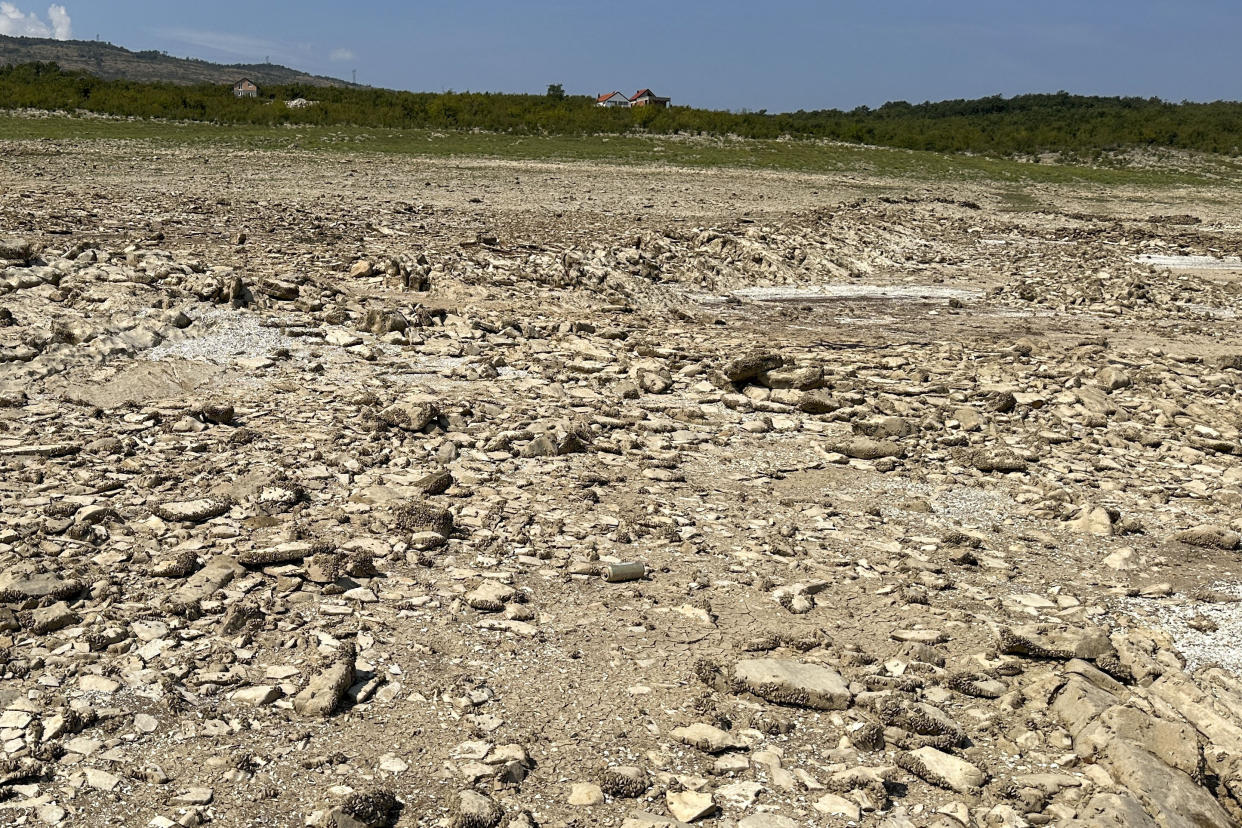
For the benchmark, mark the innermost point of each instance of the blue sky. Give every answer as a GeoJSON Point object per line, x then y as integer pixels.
{"type": "Point", "coordinates": [778, 55]}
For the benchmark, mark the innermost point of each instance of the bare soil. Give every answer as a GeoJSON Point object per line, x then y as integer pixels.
{"type": "Point", "coordinates": [970, 425]}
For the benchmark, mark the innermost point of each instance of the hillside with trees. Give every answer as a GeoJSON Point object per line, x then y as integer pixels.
{"type": "Point", "coordinates": [1022, 125]}
{"type": "Point", "coordinates": [104, 60]}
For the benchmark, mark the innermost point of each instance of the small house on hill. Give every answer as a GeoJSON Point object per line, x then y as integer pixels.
{"type": "Point", "coordinates": [645, 97]}
{"type": "Point", "coordinates": [246, 88]}
{"type": "Point", "coordinates": [612, 99]}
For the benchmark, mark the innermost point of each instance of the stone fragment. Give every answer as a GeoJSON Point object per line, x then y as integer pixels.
{"type": "Point", "coordinates": [191, 511]}
{"type": "Point", "coordinates": [865, 448]}
{"type": "Point", "coordinates": [257, 696]}
{"type": "Point", "coordinates": [942, 769]}
{"type": "Point", "coordinates": [706, 738]}
{"type": "Point", "coordinates": [19, 249]}
{"type": "Point", "coordinates": [194, 796]}
{"type": "Point", "coordinates": [41, 587]}
{"type": "Point", "coordinates": [794, 683]}
{"type": "Point", "coordinates": [421, 516]}
{"type": "Point", "coordinates": [749, 366]}
{"type": "Point", "coordinates": [1092, 520]}
{"type": "Point", "coordinates": [996, 459]}
{"type": "Point", "coordinates": [585, 794]}
{"type": "Point", "coordinates": [101, 780]}
{"type": "Point", "coordinates": [411, 415]}
{"type": "Point", "coordinates": [1112, 378]}
{"type": "Point", "coordinates": [282, 553]}
{"type": "Point", "coordinates": [688, 806]}
{"type": "Point", "coordinates": [474, 810]}
{"type": "Point", "coordinates": [838, 806]}
{"type": "Point", "coordinates": [490, 596]}
{"type": "Point", "coordinates": [217, 573]}
{"type": "Point", "coordinates": [1209, 536]}
{"type": "Point", "coordinates": [326, 690]}
{"type": "Point", "coordinates": [52, 618]}
{"type": "Point", "coordinates": [624, 782]}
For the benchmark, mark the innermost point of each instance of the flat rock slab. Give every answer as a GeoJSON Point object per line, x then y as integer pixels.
{"type": "Point", "coordinates": [833, 805]}
{"type": "Point", "coordinates": [140, 382]}
{"type": "Point", "coordinates": [928, 637]}
{"type": "Point", "coordinates": [325, 691]}
{"type": "Point", "coordinates": [864, 448]}
{"type": "Point", "coordinates": [795, 683]}
{"type": "Point", "coordinates": [943, 769]}
{"type": "Point", "coordinates": [39, 587]}
{"type": "Point", "coordinates": [706, 738]}
{"type": "Point", "coordinates": [102, 780]}
{"type": "Point", "coordinates": [192, 511]}
{"type": "Point", "coordinates": [41, 450]}
{"type": "Point", "coordinates": [216, 574]}
{"type": "Point", "coordinates": [688, 806]}
{"type": "Point", "coordinates": [258, 695]}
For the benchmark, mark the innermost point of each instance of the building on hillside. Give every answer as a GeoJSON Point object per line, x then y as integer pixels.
{"type": "Point", "coordinates": [645, 97]}
{"type": "Point", "coordinates": [246, 88]}
{"type": "Point", "coordinates": [612, 99]}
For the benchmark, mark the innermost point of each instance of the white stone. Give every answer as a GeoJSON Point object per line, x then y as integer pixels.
{"type": "Point", "coordinates": [688, 806]}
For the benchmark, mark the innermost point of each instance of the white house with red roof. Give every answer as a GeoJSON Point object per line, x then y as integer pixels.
{"type": "Point", "coordinates": [612, 99]}
{"type": "Point", "coordinates": [645, 97]}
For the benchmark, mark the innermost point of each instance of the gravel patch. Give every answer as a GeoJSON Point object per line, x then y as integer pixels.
{"type": "Point", "coordinates": [1191, 623]}
{"type": "Point", "coordinates": [221, 336]}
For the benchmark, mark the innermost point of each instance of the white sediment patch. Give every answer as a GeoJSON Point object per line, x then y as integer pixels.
{"type": "Point", "coordinates": [1192, 262]}
{"type": "Point", "coordinates": [222, 336]}
{"type": "Point", "coordinates": [1198, 644]}
{"type": "Point", "coordinates": [821, 293]}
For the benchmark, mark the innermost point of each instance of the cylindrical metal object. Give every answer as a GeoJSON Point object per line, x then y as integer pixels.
{"type": "Point", "coordinates": [618, 572]}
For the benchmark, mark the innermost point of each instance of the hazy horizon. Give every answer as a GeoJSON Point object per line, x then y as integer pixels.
{"type": "Point", "coordinates": [789, 55]}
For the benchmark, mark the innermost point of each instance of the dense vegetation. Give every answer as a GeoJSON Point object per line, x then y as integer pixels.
{"type": "Point", "coordinates": [1004, 126]}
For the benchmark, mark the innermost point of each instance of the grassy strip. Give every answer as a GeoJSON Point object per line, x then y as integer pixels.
{"type": "Point", "coordinates": [754, 154]}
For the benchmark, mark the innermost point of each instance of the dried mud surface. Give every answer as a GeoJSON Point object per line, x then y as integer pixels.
{"type": "Point", "coordinates": [368, 491]}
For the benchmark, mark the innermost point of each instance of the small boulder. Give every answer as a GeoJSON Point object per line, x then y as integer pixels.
{"type": "Point", "coordinates": [795, 683]}
{"type": "Point", "coordinates": [324, 692]}
{"type": "Point", "coordinates": [1209, 536]}
{"type": "Point", "coordinates": [942, 769]}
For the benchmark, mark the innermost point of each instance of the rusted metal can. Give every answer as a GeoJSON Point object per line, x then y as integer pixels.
{"type": "Point", "coordinates": [619, 572]}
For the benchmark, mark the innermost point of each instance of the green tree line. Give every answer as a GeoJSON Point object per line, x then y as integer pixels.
{"type": "Point", "coordinates": [1023, 124]}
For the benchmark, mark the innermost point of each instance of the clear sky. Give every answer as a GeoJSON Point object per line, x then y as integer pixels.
{"type": "Point", "coordinates": [777, 55]}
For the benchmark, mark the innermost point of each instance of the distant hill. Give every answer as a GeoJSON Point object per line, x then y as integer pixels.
{"type": "Point", "coordinates": [103, 60]}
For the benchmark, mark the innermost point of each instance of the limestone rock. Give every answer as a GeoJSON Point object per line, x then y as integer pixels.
{"type": "Point", "coordinates": [688, 806]}
{"type": "Point", "coordinates": [942, 769]}
{"type": "Point", "coordinates": [474, 810]}
{"type": "Point", "coordinates": [795, 683]}
{"type": "Point", "coordinates": [326, 690]}
{"type": "Point", "coordinates": [706, 738]}
{"type": "Point", "coordinates": [1209, 537]}
{"type": "Point", "coordinates": [192, 511]}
